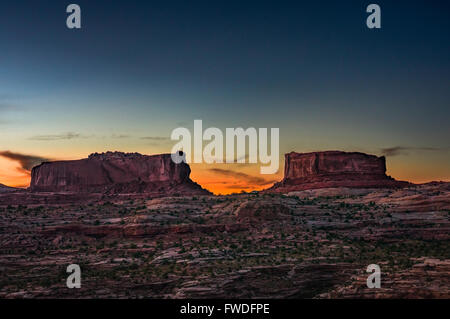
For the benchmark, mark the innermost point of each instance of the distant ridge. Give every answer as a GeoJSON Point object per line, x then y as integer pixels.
{"type": "Point", "coordinates": [4, 189]}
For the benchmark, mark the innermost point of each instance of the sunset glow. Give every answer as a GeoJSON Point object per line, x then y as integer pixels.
{"type": "Point", "coordinates": [67, 93]}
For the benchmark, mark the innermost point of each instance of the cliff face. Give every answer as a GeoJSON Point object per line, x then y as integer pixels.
{"type": "Point", "coordinates": [334, 169]}
{"type": "Point", "coordinates": [115, 172]}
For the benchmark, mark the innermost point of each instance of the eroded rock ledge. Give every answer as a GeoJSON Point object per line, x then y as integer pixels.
{"type": "Point", "coordinates": [116, 173]}
{"type": "Point", "coordinates": [334, 169]}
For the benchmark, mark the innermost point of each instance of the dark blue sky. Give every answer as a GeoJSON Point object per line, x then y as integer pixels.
{"type": "Point", "coordinates": [313, 69]}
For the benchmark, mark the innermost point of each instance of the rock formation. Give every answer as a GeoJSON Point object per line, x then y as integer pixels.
{"type": "Point", "coordinates": [262, 210]}
{"type": "Point", "coordinates": [116, 173]}
{"type": "Point", "coordinates": [334, 169]}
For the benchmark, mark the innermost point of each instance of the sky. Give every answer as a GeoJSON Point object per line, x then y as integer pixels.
{"type": "Point", "coordinates": [137, 70]}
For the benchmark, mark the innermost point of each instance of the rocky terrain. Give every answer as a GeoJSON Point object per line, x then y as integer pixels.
{"type": "Point", "coordinates": [304, 171]}
{"type": "Point", "coordinates": [6, 189]}
{"type": "Point", "coordinates": [116, 173]}
{"type": "Point", "coordinates": [139, 227]}
{"type": "Point", "coordinates": [302, 244]}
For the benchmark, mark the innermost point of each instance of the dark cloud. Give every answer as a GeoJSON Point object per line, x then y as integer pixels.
{"type": "Point", "coordinates": [63, 136]}
{"type": "Point", "coordinates": [120, 136]}
{"type": "Point", "coordinates": [27, 162]}
{"type": "Point", "coordinates": [238, 186]}
{"type": "Point", "coordinates": [253, 180]}
{"type": "Point", "coordinates": [402, 150]}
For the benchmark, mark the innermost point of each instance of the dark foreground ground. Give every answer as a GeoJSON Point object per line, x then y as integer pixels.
{"type": "Point", "coordinates": [311, 244]}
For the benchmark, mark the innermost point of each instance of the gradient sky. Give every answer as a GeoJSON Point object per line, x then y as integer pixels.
{"type": "Point", "coordinates": [137, 70]}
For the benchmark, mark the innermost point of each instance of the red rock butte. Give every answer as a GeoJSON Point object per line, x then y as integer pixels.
{"type": "Point", "coordinates": [331, 169]}
{"type": "Point", "coordinates": [116, 173]}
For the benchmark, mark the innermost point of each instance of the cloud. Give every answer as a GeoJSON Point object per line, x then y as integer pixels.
{"type": "Point", "coordinates": [237, 186]}
{"type": "Point", "coordinates": [399, 150]}
{"type": "Point", "coordinates": [119, 136]}
{"type": "Point", "coordinates": [55, 137]}
{"type": "Point", "coordinates": [8, 102]}
{"type": "Point", "coordinates": [236, 163]}
{"type": "Point", "coordinates": [27, 162]}
{"type": "Point", "coordinates": [252, 180]}
{"type": "Point", "coordinates": [155, 138]}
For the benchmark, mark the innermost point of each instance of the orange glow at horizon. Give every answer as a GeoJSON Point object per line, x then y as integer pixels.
{"type": "Point", "coordinates": [11, 174]}
{"type": "Point", "coordinates": [226, 179]}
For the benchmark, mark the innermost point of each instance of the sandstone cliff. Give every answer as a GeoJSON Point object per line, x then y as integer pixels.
{"type": "Point", "coordinates": [334, 169]}
{"type": "Point", "coordinates": [117, 173]}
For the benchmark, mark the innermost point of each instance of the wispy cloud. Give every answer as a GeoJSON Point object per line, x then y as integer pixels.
{"type": "Point", "coordinates": [6, 106]}
{"type": "Point", "coordinates": [120, 136]}
{"type": "Point", "coordinates": [55, 137]}
{"type": "Point", "coordinates": [9, 102]}
{"type": "Point", "coordinates": [238, 186]}
{"type": "Point", "coordinates": [252, 180]}
{"type": "Point", "coordinates": [404, 150]}
{"type": "Point", "coordinates": [27, 162]}
{"type": "Point", "coordinates": [155, 138]}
